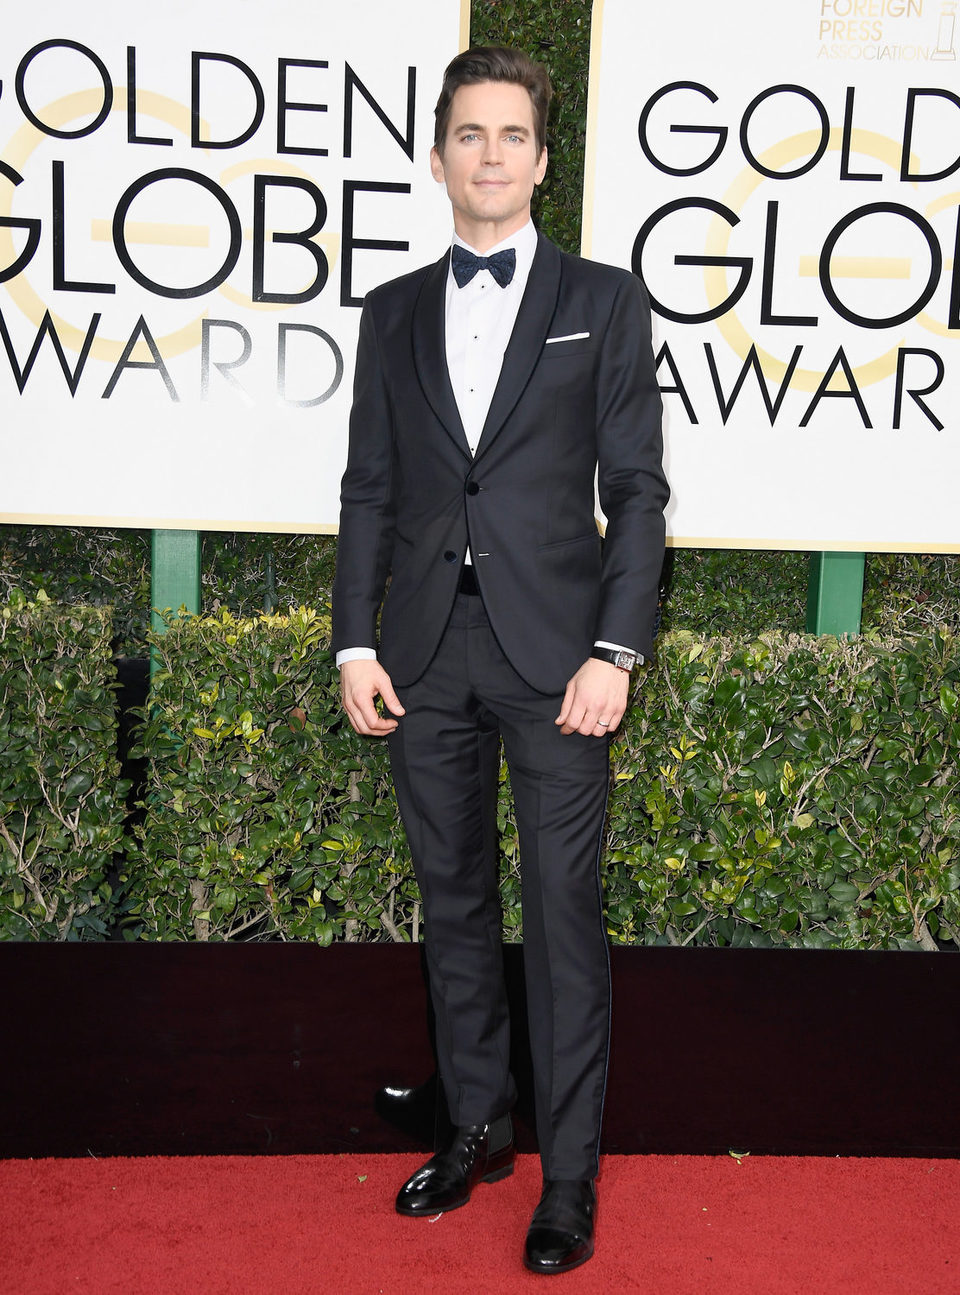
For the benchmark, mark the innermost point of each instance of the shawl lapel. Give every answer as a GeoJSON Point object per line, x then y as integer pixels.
{"type": "Point", "coordinates": [526, 341]}
{"type": "Point", "coordinates": [430, 352]}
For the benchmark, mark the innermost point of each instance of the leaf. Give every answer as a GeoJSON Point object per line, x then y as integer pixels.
{"type": "Point", "coordinates": [77, 784]}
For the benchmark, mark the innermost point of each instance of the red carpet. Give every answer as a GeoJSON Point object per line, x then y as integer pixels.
{"type": "Point", "coordinates": [298, 1224]}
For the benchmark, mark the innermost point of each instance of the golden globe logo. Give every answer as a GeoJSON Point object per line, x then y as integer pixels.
{"type": "Point", "coordinates": [875, 268]}
{"type": "Point", "coordinates": [256, 232]}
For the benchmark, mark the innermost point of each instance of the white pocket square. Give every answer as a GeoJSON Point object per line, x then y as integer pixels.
{"type": "Point", "coordinates": [568, 337]}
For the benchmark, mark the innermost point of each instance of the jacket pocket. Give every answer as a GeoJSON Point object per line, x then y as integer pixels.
{"type": "Point", "coordinates": [563, 544]}
{"type": "Point", "coordinates": [568, 348]}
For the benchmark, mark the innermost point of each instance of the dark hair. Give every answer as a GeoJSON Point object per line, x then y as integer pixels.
{"type": "Point", "coordinates": [494, 63]}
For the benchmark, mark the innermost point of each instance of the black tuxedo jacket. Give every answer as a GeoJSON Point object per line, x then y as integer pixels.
{"type": "Point", "coordinates": [577, 395]}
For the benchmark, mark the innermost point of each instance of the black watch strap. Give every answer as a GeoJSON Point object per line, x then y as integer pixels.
{"type": "Point", "coordinates": [619, 657]}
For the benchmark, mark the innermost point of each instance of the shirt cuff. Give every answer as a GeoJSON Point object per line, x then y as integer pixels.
{"type": "Point", "coordinates": [355, 654]}
{"type": "Point", "coordinates": [617, 647]}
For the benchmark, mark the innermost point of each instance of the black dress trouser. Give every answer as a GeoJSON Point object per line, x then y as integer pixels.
{"type": "Point", "coordinates": [445, 757]}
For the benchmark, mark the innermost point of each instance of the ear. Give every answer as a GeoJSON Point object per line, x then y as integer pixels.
{"type": "Point", "coordinates": [541, 170]}
{"type": "Point", "coordinates": [436, 166]}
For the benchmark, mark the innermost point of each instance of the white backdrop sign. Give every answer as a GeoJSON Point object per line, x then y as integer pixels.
{"type": "Point", "coordinates": [786, 180]}
{"type": "Point", "coordinates": [194, 199]}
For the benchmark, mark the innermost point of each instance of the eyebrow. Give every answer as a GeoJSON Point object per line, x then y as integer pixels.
{"type": "Point", "coordinates": [475, 125]}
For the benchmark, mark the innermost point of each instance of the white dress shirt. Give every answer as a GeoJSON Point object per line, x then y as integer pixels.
{"type": "Point", "coordinates": [479, 319]}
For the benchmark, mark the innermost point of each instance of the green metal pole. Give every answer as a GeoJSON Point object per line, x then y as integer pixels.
{"type": "Point", "coordinates": [174, 576]}
{"type": "Point", "coordinates": [835, 593]}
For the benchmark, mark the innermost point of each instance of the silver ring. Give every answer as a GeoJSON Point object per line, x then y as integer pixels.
{"type": "Point", "coordinates": [603, 723]}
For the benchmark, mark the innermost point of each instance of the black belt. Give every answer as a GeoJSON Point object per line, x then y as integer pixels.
{"type": "Point", "coordinates": [468, 580]}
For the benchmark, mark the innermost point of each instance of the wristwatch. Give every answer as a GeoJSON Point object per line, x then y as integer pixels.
{"type": "Point", "coordinates": [619, 657]}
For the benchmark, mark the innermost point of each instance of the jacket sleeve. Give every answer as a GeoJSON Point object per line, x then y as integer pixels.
{"type": "Point", "coordinates": [367, 508]}
{"type": "Point", "coordinates": [632, 487]}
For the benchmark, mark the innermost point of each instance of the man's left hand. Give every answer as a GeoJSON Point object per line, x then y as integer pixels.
{"type": "Point", "coordinates": [595, 699]}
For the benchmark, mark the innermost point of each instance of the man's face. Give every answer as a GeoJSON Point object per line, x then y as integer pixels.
{"type": "Point", "coordinates": [490, 162]}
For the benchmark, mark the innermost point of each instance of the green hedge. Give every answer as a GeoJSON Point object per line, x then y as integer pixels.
{"type": "Point", "coordinates": [265, 816]}
{"type": "Point", "coordinates": [744, 592]}
{"type": "Point", "coordinates": [61, 801]}
{"type": "Point", "coordinates": [790, 791]}
{"type": "Point", "coordinates": [787, 791]}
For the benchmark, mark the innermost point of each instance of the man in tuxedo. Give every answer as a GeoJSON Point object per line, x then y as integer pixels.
{"type": "Point", "coordinates": [492, 388]}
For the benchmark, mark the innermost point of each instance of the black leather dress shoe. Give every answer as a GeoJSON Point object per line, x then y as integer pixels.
{"type": "Point", "coordinates": [478, 1153]}
{"type": "Point", "coordinates": [420, 1112]}
{"type": "Point", "coordinates": [561, 1231]}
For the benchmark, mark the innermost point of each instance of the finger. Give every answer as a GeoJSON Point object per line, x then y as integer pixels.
{"type": "Point", "coordinates": [357, 722]}
{"type": "Point", "coordinates": [369, 721]}
{"type": "Point", "coordinates": [575, 721]}
{"type": "Point", "coordinates": [391, 700]}
{"type": "Point", "coordinates": [572, 711]}
{"type": "Point", "coordinates": [565, 706]}
{"type": "Point", "coordinates": [347, 702]}
{"type": "Point", "coordinates": [608, 718]}
{"type": "Point", "coordinates": [379, 728]}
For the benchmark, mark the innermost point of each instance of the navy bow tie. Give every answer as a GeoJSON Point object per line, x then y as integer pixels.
{"type": "Point", "coordinates": [465, 265]}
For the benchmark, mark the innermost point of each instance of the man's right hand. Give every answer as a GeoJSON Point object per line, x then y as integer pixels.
{"type": "Point", "coordinates": [361, 683]}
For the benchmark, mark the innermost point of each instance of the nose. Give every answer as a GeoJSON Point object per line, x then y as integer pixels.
{"type": "Point", "coordinates": [492, 151]}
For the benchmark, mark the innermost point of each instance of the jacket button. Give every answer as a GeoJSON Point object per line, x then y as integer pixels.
{"type": "Point", "coordinates": [472, 488]}
{"type": "Point", "coordinates": [449, 556]}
